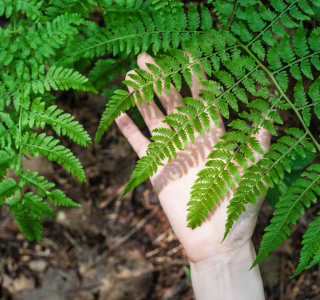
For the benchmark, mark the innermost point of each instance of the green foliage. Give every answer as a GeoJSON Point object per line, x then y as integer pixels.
{"type": "Point", "coordinates": [258, 66]}
{"type": "Point", "coordinates": [34, 39]}
{"type": "Point", "coordinates": [287, 213]}
{"type": "Point", "coordinates": [296, 162]}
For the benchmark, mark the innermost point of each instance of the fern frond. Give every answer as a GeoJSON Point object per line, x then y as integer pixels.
{"type": "Point", "coordinates": [37, 205]}
{"type": "Point", "coordinates": [57, 78]}
{"type": "Point", "coordinates": [268, 170]}
{"type": "Point", "coordinates": [7, 160]}
{"type": "Point", "coordinates": [223, 10]}
{"type": "Point", "coordinates": [119, 102]}
{"type": "Point", "coordinates": [31, 8]}
{"type": "Point", "coordinates": [57, 197]}
{"type": "Point", "coordinates": [39, 182]}
{"type": "Point", "coordinates": [311, 246]}
{"type": "Point", "coordinates": [221, 172]}
{"type": "Point", "coordinates": [47, 146]}
{"type": "Point", "coordinates": [61, 123]}
{"type": "Point", "coordinates": [104, 71]}
{"type": "Point", "coordinates": [287, 214]}
{"type": "Point", "coordinates": [116, 12]}
{"type": "Point", "coordinates": [59, 7]}
{"type": "Point", "coordinates": [136, 34]}
{"type": "Point", "coordinates": [44, 39]}
{"type": "Point", "coordinates": [28, 221]}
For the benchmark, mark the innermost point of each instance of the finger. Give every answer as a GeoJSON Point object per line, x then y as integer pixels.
{"type": "Point", "coordinates": [196, 86]}
{"type": "Point", "coordinates": [136, 139]}
{"type": "Point", "coordinates": [264, 138]}
{"type": "Point", "coordinates": [168, 102]}
{"type": "Point", "coordinates": [151, 113]}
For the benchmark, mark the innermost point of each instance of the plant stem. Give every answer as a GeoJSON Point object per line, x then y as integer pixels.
{"type": "Point", "coordinates": [233, 13]}
{"type": "Point", "coordinates": [294, 62]}
{"type": "Point", "coordinates": [20, 135]}
{"type": "Point", "coordinates": [296, 110]}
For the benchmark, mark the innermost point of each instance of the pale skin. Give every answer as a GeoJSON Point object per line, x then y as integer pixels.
{"type": "Point", "coordinates": [218, 270]}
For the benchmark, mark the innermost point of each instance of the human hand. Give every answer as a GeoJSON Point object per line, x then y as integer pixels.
{"type": "Point", "coordinates": [173, 182]}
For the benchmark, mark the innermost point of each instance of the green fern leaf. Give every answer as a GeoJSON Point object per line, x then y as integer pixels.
{"type": "Point", "coordinates": [300, 42]}
{"type": "Point", "coordinates": [283, 80]}
{"type": "Point", "coordinates": [286, 214]}
{"type": "Point", "coordinates": [8, 188]}
{"type": "Point", "coordinates": [307, 115]}
{"type": "Point", "coordinates": [57, 197]}
{"type": "Point", "coordinates": [38, 182]}
{"type": "Point", "coordinates": [310, 248]}
{"type": "Point", "coordinates": [273, 57]}
{"type": "Point", "coordinates": [316, 62]}
{"type": "Point", "coordinates": [37, 205]}
{"type": "Point", "coordinates": [120, 101]}
{"type": "Point", "coordinates": [259, 49]}
{"type": "Point", "coordinates": [61, 123]}
{"type": "Point", "coordinates": [306, 68]}
{"type": "Point", "coordinates": [40, 144]}
{"type": "Point", "coordinates": [59, 78]}
{"type": "Point", "coordinates": [295, 13]}
{"type": "Point", "coordinates": [193, 17]}
{"type": "Point", "coordinates": [259, 171]}
{"type": "Point", "coordinates": [300, 95]}
{"type": "Point", "coordinates": [28, 221]}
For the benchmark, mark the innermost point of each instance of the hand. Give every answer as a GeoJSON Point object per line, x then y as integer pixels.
{"type": "Point", "coordinates": [173, 182]}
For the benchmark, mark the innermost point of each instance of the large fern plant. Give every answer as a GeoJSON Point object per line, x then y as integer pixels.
{"type": "Point", "coordinates": [264, 55]}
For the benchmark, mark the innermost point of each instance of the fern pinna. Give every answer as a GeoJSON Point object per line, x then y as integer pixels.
{"type": "Point", "coordinates": [257, 66]}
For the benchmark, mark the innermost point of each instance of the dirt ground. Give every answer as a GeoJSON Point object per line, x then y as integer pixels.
{"type": "Point", "coordinates": [112, 250]}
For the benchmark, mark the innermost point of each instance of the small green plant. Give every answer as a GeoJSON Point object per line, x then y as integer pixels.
{"type": "Point", "coordinates": [188, 273]}
{"type": "Point", "coordinates": [268, 62]}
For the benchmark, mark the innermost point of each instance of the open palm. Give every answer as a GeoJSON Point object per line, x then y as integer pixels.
{"type": "Point", "coordinates": [173, 181]}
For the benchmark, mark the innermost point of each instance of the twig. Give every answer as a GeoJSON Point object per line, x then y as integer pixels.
{"type": "Point", "coordinates": [72, 240]}
{"type": "Point", "coordinates": [125, 237]}
{"type": "Point", "coordinates": [176, 262]}
{"type": "Point", "coordinates": [178, 289]}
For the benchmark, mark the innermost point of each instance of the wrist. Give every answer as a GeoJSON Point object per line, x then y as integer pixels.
{"type": "Point", "coordinates": [227, 276]}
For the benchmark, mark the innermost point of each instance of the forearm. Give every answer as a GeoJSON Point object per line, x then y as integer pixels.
{"type": "Point", "coordinates": [227, 277]}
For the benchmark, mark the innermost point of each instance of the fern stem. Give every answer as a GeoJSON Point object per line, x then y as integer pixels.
{"type": "Point", "coordinates": [298, 60]}
{"type": "Point", "coordinates": [310, 105]}
{"type": "Point", "coordinates": [276, 19]}
{"type": "Point", "coordinates": [20, 134]}
{"type": "Point", "coordinates": [281, 91]}
{"type": "Point", "coordinates": [104, 17]}
{"type": "Point", "coordinates": [233, 13]}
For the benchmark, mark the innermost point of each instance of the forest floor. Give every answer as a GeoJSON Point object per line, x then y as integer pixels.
{"type": "Point", "coordinates": [121, 250]}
